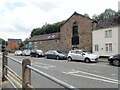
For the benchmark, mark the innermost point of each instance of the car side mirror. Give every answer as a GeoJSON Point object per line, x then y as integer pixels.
{"type": "Point", "coordinates": [83, 54]}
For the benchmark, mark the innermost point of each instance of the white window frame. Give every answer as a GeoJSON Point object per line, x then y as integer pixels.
{"type": "Point", "coordinates": [96, 48]}
{"type": "Point", "coordinates": [108, 47]}
{"type": "Point", "coordinates": [108, 33]}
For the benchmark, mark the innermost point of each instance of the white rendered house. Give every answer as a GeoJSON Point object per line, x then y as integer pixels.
{"type": "Point", "coordinates": [106, 37]}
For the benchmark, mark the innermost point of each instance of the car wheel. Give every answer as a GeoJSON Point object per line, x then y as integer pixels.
{"type": "Point", "coordinates": [46, 57]}
{"type": "Point", "coordinates": [87, 60]}
{"type": "Point", "coordinates": [57, 57]}
{"type": "Point", "coordinates": [69, 59]}
{"type": "Point", "coordinates": [37, 56]}
{"type": "Point", "coordinates": [116, 63]}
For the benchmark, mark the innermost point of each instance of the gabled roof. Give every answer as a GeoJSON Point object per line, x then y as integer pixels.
{"type": "Point", "coordinates": [45, 37]}
{"type": "Point", "coordinates": [77, 14]}
{"type": "Point", "coordinates": [108, 23]}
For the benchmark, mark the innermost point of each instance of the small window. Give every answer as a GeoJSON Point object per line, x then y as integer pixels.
{"type": "Point", "coordinates": [56, 41]}
{"type": "Point", "coordinates": [96, 48]}
{"type": "Point", "coordinates": [40, 42]}
{"type": "Point", "coordinates": [35, 42]}
{"type": "Point", "coordinates": [108, 33]}
{"type": "Point", "coordinates": [108, 47]}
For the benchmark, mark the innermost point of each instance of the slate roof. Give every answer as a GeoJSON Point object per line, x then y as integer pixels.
{"type": "Point", "coordinates": [108, 23]}
{"type": "Point", "coordinates": [77, 14]}
{"type": "Point", "coordinates": [51, 36]}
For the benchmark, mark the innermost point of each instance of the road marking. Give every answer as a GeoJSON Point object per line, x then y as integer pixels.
{"type": "Point", "coordinates": [13, 79]}
{"type": "Point", "coordinates": [18, 84]}
{"type": "Point", "coordinates": [43, 65]}
{"type": "Point", "coordinates": [93, 76]}
{"type": "Point", "coordinates": [40, 66]}
{"type": "Point", "coordinates": [96, 75]}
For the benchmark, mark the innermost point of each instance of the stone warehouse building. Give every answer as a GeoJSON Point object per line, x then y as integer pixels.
{"type": "Point", "coordinates": [75, 33]}
{"type": "Point", "coordinates": [45, 42]}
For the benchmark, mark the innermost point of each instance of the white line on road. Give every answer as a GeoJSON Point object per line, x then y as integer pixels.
{"type": "Point", "coordinates": [93, 76]}
{"type": "Point", "coordinates": [96, 75]}
{"type": "Point", "coordinates": [40, 66]}
{"type": "Point", "coordinates": [43, 65]}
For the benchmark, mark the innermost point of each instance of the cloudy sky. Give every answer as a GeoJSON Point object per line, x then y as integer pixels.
{"type": "Point", "coordinates": [19, 17]}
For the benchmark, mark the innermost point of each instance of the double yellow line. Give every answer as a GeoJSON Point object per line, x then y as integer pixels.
{"type": "Point", "coordinates": [13, 78]}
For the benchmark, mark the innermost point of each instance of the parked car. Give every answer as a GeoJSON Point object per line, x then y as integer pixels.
{"type": "Point", "coordinates": [18, 53]}
{"type": "Point", "coordinates": [82, 55]}
{"type": "Point", "coordinates": [115, 60]}
{"type": "Point", "coordinates": [55, 54]}
{"type": "Point", "coordinates": [26, 53]}
{"type": "Point", "coordinates": [36, 53]}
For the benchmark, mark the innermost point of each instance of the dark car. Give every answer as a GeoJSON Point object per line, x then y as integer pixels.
{"type": "Point", "coordinates": [55, 55]}
{"type": "Point", "coordinates": [115, 60]}
{"type": "Point", "coordinates": [36, 53]}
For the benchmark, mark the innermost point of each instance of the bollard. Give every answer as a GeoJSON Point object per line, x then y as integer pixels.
{"type": "Point", "coordinates": [4, 63]}
{"type": "Point", "coordinates": [26, 74]}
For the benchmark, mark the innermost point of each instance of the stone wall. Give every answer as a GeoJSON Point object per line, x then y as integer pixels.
{"type": "Point", "coordinates": [84, 33]}
{"type": "Point", "coordinates": [47, 45]}
{"type": "Point", "coordinates": [64, 44]}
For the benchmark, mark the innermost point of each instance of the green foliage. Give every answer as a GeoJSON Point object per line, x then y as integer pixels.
{"type": "Point", "coordinates": [2, 41]}
{"type": "Point", "coordinates": [108, 13]}
{"type": "Point", "coordinates": [24, 42]}
{"type": "Point", "coordinates": [47, 28]}
{"type": "Point", "coordinates": [86, 15]}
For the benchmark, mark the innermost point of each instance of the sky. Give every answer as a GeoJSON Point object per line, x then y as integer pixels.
{"type": "Point", "coordinates": [19, 17]}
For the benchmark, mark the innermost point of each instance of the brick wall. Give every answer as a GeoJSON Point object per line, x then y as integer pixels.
{"type": "Point", "coordinates": [13, 46]}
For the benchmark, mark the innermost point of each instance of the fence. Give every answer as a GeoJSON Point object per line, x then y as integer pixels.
{"type": "Point", "coordinates": [26, 74]}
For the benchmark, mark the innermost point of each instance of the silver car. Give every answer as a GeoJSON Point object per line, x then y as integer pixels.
{"type": "Point", "coordinates": [26, 53]}
{"type": "Point", "coordinates": [81, 55]}
{"type": "Point", "coordinates": [18, 53]}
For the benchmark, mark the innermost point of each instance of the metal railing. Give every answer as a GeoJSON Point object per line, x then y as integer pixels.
{"type": "Point", "coordinates": [26, 73]}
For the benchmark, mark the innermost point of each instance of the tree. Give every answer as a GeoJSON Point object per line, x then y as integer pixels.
{"type": "Point", "coordinates": [108, 13]}
{"type": "Point", "coordinates": [47, 29]}
{"type": "Point", "coordinates": [24, 42]}
{"type": "Point", "coordinates": [86, 15]}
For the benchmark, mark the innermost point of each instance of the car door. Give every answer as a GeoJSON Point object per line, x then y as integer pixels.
{"type": "Point", "coordinates": [79, 55]}
{"type": "Point", "coordinates": [53, 54]}
{"type": "Point", "coordinates": [74, 55]}
{"type": "Point", "coordinates": [118, 56]}
{"type": "Point", "coordinates": [49, 54]}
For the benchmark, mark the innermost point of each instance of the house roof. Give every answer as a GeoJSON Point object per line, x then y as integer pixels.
{"type": "Point", "coordinates": [108, 23]}
{"type": "Point", "coordinates": [77, 14]}
{"type": "Point", "coordinates": [15, 40]}
{"type": "Point", "coordinates": [45, 37]}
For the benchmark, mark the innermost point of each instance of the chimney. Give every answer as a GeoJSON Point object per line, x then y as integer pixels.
{"type": "Point", "coordinates": [119, 6]}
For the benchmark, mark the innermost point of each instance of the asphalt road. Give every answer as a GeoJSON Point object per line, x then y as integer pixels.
{"type": "Point", "coordinates": [76, 73]}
